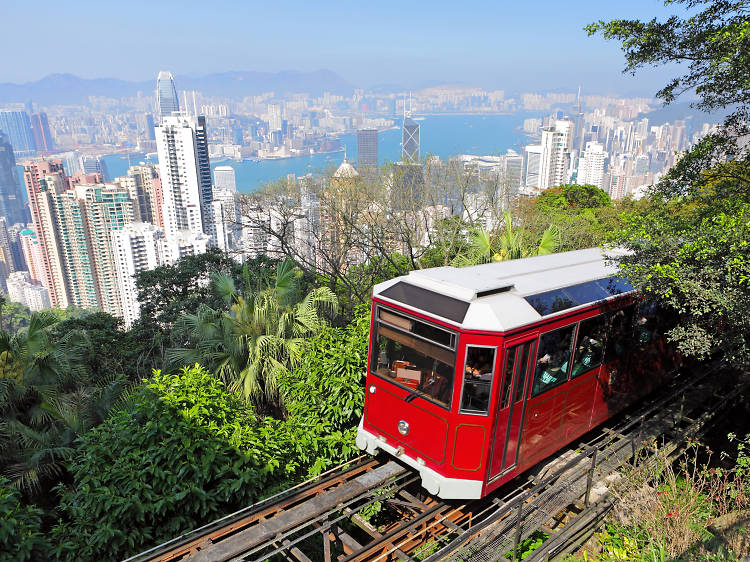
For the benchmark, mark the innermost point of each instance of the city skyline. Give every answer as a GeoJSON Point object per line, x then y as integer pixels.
{"type": "Point", "coordinates": [484, 44]}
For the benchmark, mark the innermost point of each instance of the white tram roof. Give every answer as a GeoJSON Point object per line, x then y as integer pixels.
{"type": "Point", "coordinates": [506, 295]}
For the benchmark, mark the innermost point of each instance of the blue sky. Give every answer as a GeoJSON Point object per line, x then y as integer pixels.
{"type": "Point", "coordinates": [507, 44]}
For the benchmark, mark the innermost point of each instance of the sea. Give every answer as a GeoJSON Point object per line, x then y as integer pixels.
{"type": "Point", "coordinates": [440, 135]}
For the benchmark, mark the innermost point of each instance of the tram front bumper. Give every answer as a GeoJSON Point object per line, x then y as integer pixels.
{"type": "Point", "coordinates": [432, 481]}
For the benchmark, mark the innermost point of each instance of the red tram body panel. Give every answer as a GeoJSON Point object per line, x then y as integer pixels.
{"type": "Point", "coordinates": [476, 374]}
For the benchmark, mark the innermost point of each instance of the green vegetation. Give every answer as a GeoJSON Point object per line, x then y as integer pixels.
{"type": "Point", "coordinates": [240, 380]}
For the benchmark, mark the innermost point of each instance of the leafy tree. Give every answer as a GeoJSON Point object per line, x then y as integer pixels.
{"type": "Point", "coordinates": [21, 536]}
{"type": "Point", "coordinates": [259, 337]}
{"type": "Point", "coordinates": [184, 451]}
{"type": "Point", "coordinates": [572, 196]}
{"type": "Point", "coordinates": [690, 247]}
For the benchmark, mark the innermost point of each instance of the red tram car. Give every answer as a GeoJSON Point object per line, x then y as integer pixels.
{"type": "Point", "coordinates": [478, 373]}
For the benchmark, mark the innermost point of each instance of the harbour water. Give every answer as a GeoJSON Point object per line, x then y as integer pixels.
{"type": "Point", "coordinates": [441, 135]}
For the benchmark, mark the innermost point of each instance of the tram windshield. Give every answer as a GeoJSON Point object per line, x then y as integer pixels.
{"type": "Point", "coordinates": [418, 356]}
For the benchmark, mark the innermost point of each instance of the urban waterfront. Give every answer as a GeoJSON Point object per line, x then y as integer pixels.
{"type": "Point", "coordinates": [441, 135]}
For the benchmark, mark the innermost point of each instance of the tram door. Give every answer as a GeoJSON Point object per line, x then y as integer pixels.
{"type": "Point", "coordinates": [508, 425]}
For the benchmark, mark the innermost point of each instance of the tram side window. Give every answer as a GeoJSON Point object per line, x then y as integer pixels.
{"type": "Point", "coordinates": [510, 357]}
{"type": "Point", "coordinates": [620, 337]}
{"type": "Point", "coordinates": [589, 345]}
{"type": "Point", "coordinates": [553, 359]}
{"type": "Point", "coordinates": [478, 374]}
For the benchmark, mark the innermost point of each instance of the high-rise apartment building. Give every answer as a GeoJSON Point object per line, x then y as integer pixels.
{"type": "Point", "coordinates": [17, 125]}
{"type": "Point", "coordinates": [74, 243]}
{"type": "Point", "coordinates": [41, 133]}
{"type": "Point", "coordinates": [144, 185]}
{"type": "Point", "coordinates": [32, 254]}
{"type": "Point", "coordinates": [108, 209]}
{"type": "Point", "coordinates": [224, 178]}
{"type": "Point", "coordinates": [367, 149]}
{"type": "Point", "coordinates": [591, 165]}
{"type": "Point", "coordinates": [226, 219]}
{"type": "Point", "coordinates": [410, 141]}
{"type": "Point", "coordinates": [11, 201]}
{"type": "Point", "coordinates": [185, 172]}
{"type": "Point", "coordinates": [555, 158]}
{"type": "Point", "coordinates": [44, 180]}
{"type": "Point", "coordinates": [135, 248]}
{"type": "Point", "coordinates": [167, 101]}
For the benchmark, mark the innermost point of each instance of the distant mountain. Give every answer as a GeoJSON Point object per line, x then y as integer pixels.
{"type": "Point", "coordinates": [69, 89]}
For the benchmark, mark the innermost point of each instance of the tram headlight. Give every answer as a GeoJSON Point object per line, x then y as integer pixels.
{"type": "Point", "coordinates": [403, 427]}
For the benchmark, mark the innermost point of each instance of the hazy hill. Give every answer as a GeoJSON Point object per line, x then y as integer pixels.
{"type": "Point", "coordinates": [70, 89]}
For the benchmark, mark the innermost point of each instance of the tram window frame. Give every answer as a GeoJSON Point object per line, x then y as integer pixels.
{"type": "Point", "coordinates": [602, 320]}
{"type": "Point", "coordinates": [463, 409]}
{"type": "Point", "coordinates": [508, 369]}
{"type": "Point", "coordinates": [538, 389]}
{"type": "Point", "coordinates": [440, 349]}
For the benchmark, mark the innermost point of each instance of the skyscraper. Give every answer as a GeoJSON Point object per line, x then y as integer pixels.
{"type": "Point", "coordinates": [16, 124]}
{"type": "Point", "coordinates": [555, 158]}
{"type": "Point", "coordinates": [94, 165]}
{"type": "Point", "coordinates": [185, 173]}
{"type": "Point", "coordinates": [11, 200]}
{"type": "Point", "coordinates": [533, 161]}
{"type": "Point", "coordinates": [224, 178]}
{"type": "Point", "coordinates": [367, 148]}
{"type": "Point", "coordinates": [40, 131]}
{"type": "Point", "coordinates": [410, 141]}
{"type": "Point", "coordinates": [167, 101]}
{"type": "Point", "coordinates": [43, 181]}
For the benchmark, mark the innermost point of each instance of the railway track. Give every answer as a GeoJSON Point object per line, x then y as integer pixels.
{"type": "Point", "coordinates": [327, 517]}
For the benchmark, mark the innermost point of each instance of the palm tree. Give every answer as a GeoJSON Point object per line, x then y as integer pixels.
{"type": "Point", "coordinates": [47, 399]}
{"type": "Point", "coordinates": [259, 337]}
{"type": "Point", "coordinates": [511, 245]}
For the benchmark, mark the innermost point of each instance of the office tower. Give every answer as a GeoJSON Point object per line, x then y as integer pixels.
{"type": "Point", "coordinates": [144, 185]}
{"type": "Point", "coordinates": [135, 248]}
{"type": "Point", "coordinates": [149, 127]}
{"type": "Point", "coordinates": [94, 165]}
{"type": "Point", "coordinates": [11, 201]}
{"type": "Point", "coordinates": [224, 178]}
{"type": "Point", "coordinates": [41, 133]}
{"type": "Point", "coordinates": [591, 165]}
{"type": "Point", "coordinates": [43, 181]}
{"type": "Point", "coordinates": [533, 162]}
{"type": "Point", "coordinates": [555, 160]}
{"type": "Point", "coordinates": [367, 148]}
{"type": "Point", "coordinates": [410, 141]}
{"type": "Point", "coordinates": [32, 254]}
{"type": "Point", "coordinates": [16, 124]}
{"type": "Point", "coordinates": [274, 117]}
{"type": "Point", "coordinates": [185, 173]}
{"type": "Point", "coordinates": [22, 290]}
{"type": "Point", "coordinates": [167, 101]}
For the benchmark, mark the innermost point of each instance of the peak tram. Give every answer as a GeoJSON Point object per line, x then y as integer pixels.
{"type": "Point", "coordinates": [476, 374]}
